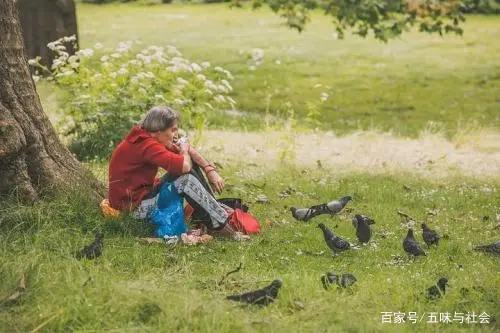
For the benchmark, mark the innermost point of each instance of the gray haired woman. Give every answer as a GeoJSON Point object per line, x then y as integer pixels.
{"type": "Point", "coordinates": [133, 185]}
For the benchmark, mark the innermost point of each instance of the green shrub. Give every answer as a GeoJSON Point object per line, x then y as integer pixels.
{"type": "Point", "coordinates": [103, 93]}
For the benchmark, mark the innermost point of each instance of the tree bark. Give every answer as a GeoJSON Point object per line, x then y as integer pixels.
{"type": "Point", "coordinates": [33, 161]}
{"type": "Point", "coordinates": [44, 21]}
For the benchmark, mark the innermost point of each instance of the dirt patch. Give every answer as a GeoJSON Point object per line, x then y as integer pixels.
{"type": "Point", "coordinates": [432, 156]}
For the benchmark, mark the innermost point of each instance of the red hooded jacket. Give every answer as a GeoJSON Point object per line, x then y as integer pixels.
{"type": "Point", "coordinates": [134, 165]}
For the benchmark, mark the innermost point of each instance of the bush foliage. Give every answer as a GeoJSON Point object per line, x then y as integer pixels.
{"type": "Point", "coordinates": [103, 93]}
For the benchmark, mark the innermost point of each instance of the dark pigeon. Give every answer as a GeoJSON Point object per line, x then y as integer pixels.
{"type": "Point", "coordinates": [411, 246]}
{"type": "Point", "coordinates": [363, 230]}
{"type": "Point", "coordinates": [333, 241]}
{"type": "Point", "coordinates": [493, 248]}
{"type": "Point", "coordinates": [93, 250]}
{"type": "Point", "coordinates": [344, 281]}
{"type": "Point", "coordinates": [261, 297]}
{"type": "Point", "coordinates": [328, 279]}
{"type": "Point", "coordinates": [347, 280]}
{"type": "Point", "coordinates": [438, 289]}
{"type": "Point", "coordinates": [366, 218]}
{"type": "Point", "coordinates": [430, 236]}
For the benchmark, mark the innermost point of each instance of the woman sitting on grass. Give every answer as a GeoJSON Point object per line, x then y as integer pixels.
{"type": "Point", "coordinates": [133, 186]}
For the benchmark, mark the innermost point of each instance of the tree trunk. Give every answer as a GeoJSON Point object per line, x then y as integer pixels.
{"type": "Point", "coordinates": [33, 161]}
{"type": "Point", "coordinates": [44, 21]}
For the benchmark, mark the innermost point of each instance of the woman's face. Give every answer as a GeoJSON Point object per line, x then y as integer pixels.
{"type": "Point", "coordinates": [167, 136]}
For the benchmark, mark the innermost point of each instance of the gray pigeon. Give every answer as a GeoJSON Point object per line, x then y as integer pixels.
{"type": "Point", "coordinates": [429, 235]}
{"type": "Point", "coordinates": [332, 207]}
{"type": "Point", "coordinates": [363, 230]}
{"type": "Point", "coordinates": [436, 290]}
{"type": "Point", "coordinates": [335, 206]}
{"type": "Point", "coordinates": [411, 246]}
{"type": "Point", "coordinates": [261, 297]}
{"type": "Point", "coordinates": [302, 214]}
{"type": "Point", "coordinates": [493, 248]}
{"type": "Point", "coordinates": [333, 241]}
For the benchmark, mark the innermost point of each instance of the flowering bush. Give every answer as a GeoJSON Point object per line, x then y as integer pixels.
{"type": "Point", "coordinates": [104, 93]}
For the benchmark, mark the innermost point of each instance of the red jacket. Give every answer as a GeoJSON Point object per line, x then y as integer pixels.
{"type": "Point", "coordinates": [134, 165]}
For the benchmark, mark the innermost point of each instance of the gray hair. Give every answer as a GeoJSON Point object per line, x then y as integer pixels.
{"type": "Point", "coordinates": [159, 118]}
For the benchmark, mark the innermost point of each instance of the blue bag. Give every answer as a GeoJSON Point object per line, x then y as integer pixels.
{"type": "Point", "coordinates": [168, 214]}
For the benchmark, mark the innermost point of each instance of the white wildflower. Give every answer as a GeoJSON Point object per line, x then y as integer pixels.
{"type": "Point", "coordinates": [36, 78]}
{"type": "Point", "coordinates": [278, 62]}
{"type": "Point", "coordinates": [252, 68]}
{"type": "Point", "coordinates": [181, 81]}
{"type": "Point", "coordinates": [98, 46]}
{"type": "Point", "coordinates": [324, 97]}
{"type": "Point", "coordinates": [220, 99]}
{"type": "Point", "coordinates": [257, 54]}
{"type": "Point", "coordinates": [104, 58]}
{"type": "Point", "coordinates": [201, 77]}
{"type": "Point", "coordinates": [196, 67]}
{"type": "Point", "coordinates": [142, 91]}
{"type": "Point", "coordinates": [32, 62]}
{"type": "Point", "coordinates": [116, 55]}
{"type": "Point", "coordinates": [226, 84]}
{"type": "Point", "coordinates": [205, 64]}
{"type": "Point", "coordinates": [122, 71]}
{"type": "Point", "coordinates": [85, 53]}
{"type": "Point", "coordinates": [219, 69]}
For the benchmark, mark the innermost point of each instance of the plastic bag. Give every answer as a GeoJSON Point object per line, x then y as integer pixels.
{"type": "Point", "coordinates": [168, 214]}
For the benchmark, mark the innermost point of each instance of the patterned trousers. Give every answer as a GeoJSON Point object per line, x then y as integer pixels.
{"type": "Point", "coordinates": [189, 187]}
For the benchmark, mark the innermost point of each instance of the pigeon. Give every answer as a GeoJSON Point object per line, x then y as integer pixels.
{"type": "Point", "coordinates": [411, 246]}
{"type": "Point", "coordinates": [328, 279]}
{"type": "Point", "coordinates": [301, 214]}
{"type": "Point", "coordinates": [366, 218]}
{"type": "Point", "coordinates": [429, 235]}
{"type": "Point", "coordinates": [335, 206]}
{"type": "Point", "coordinates": [363, 230]}
{"type": "Point", "coordinates": [261, 297]}
{"type": "Point", "coordinates": [333, 241]}
{"type": "Point", "coordinates": [345, 280]}
{"type": "Point", "coordinates": [93, 250]}
{"type": "Point", "coordinates": [436, 290]}
{"type": "Point", "coordinates": [493, 248]}
{"type": "Point", "coordinates": [332, 207]}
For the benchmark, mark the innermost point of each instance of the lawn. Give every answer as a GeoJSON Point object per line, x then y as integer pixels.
{"type": "Point", "coordinates": [148, 288]}
{"type": "Point", "coordinates": [407, 85]}
{"type": "Point", "coordinates": [418, 83]}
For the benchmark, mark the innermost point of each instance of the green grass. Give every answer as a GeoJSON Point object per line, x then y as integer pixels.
{"type": "Point", "coordinates": [141, 288]}
{"type": "Point", "coordinates": [400, 86]}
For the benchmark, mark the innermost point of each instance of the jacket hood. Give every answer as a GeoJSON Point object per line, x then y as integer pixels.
{"type": "Point", "coordinates": [137, 134]}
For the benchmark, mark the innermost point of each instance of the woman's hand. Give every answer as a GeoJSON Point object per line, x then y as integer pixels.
{"type": "Point", "coordinates": [215, 180]}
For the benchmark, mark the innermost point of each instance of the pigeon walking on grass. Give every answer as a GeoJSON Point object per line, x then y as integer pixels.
{"type": "Point", "coordinates": [363, 230]}
{"type": "Point", "coordinates": [430, 236]}
{"type": "Point", "coordinates": [333, 241]}
{"type": "Point", "coordinates": [368, 220]}
{"type": "Point", "coordinates": [493, 248]}
{"type": "Point", "coordinates": [261, 297]}
{"type": "Point", "coordinates": [344, 281]}
{"type": "Point", "coordinates": [332, 207]}
{"type": "Point", "coordinates": [411, 246]}
{"type": "Point", "coordinates": [93, 250]}
{"type": "Point", "coordinates": [438, 289]}
{"type": "Point", "coordinates": [328, 279]}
